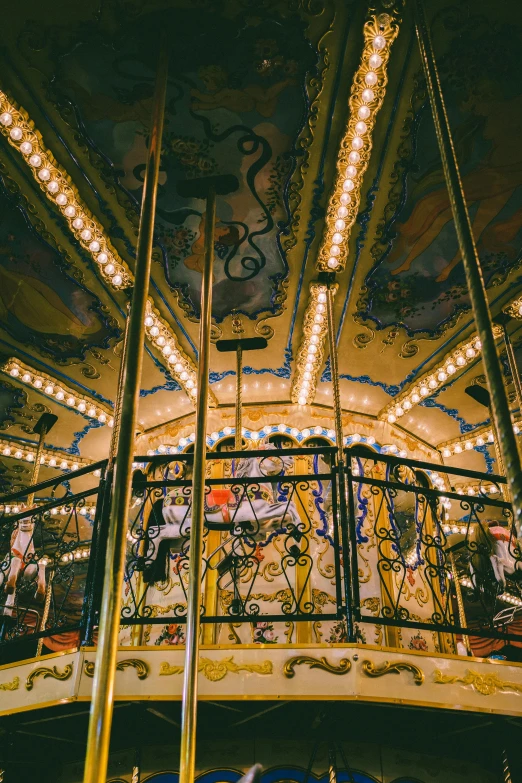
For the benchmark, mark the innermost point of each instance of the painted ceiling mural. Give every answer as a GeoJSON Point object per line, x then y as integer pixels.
{"type": "Point", "coordinates": [41, 304]}
{"type": "Point", "coordinates": [260, 91]}
{"type": "Point", "coordinates": [235, 105]}
{"type": "Point", "coordinates": [418, 278]}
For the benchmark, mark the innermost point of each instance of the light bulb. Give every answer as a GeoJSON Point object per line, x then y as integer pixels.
{"type": "Point", "coordinates": [26, 377]}
{"type": "Point", "coordinates": [70, 400]}
{"type": "Point", "coordinates": [340, 225]}
{"type": "Point", "coordinates": [61, 199]}
{"type": "Point", "coordinates": [371, 78]}
{"type": "Point", "coordinates": [149, 320]}
{"type": "Point", "coordinates": [357, 143]}
{"type": "Point", "coordinates": [354, 157]}
{"type": "Point", "coordinates": [364, 112]}
{"type": "Point", "coordinates": [446, 453]}
{"type": "Point", "coordinates": [53, 186]}
{"type": "Point", "coordinates": [44, 174]}
{"type": "Point", "coordinates": [415, 398]}
{"type": "Point", "coordinates": [406, 405]}
{"type": "Point", "coordinates": [6, 118]}
{"type": "Point", "coordinates": [82, 407]}
{"type": "Point", "coordinates": [375, 61]}
{"type": "Point", "coordinates": [86, 234]}
{"type": "Point", "coordinates": [26, 147]}
{"type": "Point", "coordinates": [361, 128]}
{"type": "Point", "coordinates": [460, 360]}
{"type": "Point", "coordinates": [451, 369]}
{"type": "Point", "coordinates": [345, 198]}
{"type": "Point", "coordinates": [348, 185]}
{"type": "Point", "coordinates": [91, 412]}
{"type": "Point", "coordinates": [69, 212]}
{"type": "Point", "coordinates": [351, 171]}
{"type": "Point", "coordinates": [391, 418]}
{"type": "Point", "coordinates": [60, 395]}
{"type": "Point", "coordinates": [49, 389]}
{"type": "Point", "coordinates": [379, 42]}
{"type": "Point", "coordinates": [442, 376]}
{"type": "Point", "coordinates": [77, 223]}
{"type": "Point", "coordinates": [342, 213]}
{"type": "Point", "coordinates": [424, 391]}
{"type": "Point", "coordinates": [94, 246]}
{"type": "Point", "coordinates": [102, 258]}
{"type": "Point", "coordinates": [432, 383]}
{"type": "Point", "coordinates": [35, 161]}
{"type": "Point", "coordinates": [337, 238]}
{"type": "Point", "coordinates": [117, 280]}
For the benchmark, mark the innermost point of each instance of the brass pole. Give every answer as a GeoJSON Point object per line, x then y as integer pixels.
{"type": "Point", "coordinates": [103, 685]}
{"type": "Point", "coordinates": [238, 445]}
{"type": "Point", "coordinates": [190, 677]}
{"type": "Point", "coordinates": [474, 278]}
{"type": "Point", "coordinates": [505, 768]}
{"type": "Point", "coordinates": [460, 602]}
{"type": "Point", "coordinates": [512, 365]}
{"type": "Point", "coordinates": [36, 469]}
{"type": "Point", "coordinates": [334, 369]}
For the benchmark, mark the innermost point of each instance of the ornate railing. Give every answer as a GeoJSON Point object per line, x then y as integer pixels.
{"type": "Point", "coordinates": [388, 551]}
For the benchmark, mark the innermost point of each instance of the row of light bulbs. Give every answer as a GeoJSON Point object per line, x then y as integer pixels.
{"type": "Point", "coordinates": [49, 458]}
{"type": "Point", "coordinates": [56, 186]}
{"type": "Point", "coordinates": [18, 129]}
{"type": "Point", "coordinates": [366, 99]}
{"type": "Point", "coordinates": [179, 365]}
{"type": "Point", "coordinates": [44, 383]}
{"type": "Point", "coordinates": [469, 442]}
{"type": "Point", "coordinates": [455, 361]}
{"type": "Point", "coordinates": [85, 511]}
{"type": "Point", "coordinates": [310, 355]}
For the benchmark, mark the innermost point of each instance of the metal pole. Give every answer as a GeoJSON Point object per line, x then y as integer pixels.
{"type": "Point", "coordinates": [190, 678]}
{"type": "Point", "coordinates": [474, 278]}
{"type": "Point", "coordinates": [512, 365]}
{"type": "Point", "coordinates": [238, 445]}
{"type": "Point", "coordinates": [36, 469]}
{"type": "Point", "coordinates": [460, 601]}
{"type": "Point", "coordinates": [331, 287]}
{"type": "Point", "coordinates": [103, 686]}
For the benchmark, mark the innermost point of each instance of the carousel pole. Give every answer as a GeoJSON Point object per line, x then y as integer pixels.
{"type": "Point", "coordinates": [328, 278]}
{"type": "Point", "coordinates": [100, 721]}
{"type": "Point", "coordinates": [42, 427]}
{"type": "Point", "coordinates": [502, 320]}
{"type": "Point", "coordinates": [240, 345]}
{"type": "Point", "coordinates": [474, 277]}
{"type": "Point", "coordinates": [207, 188]}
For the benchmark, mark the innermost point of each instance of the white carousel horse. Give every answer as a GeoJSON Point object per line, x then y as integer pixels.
{"type": "Point", "coordinates": [502, 558]}
{"type": "Point", "coordinates": [235, 511]}
{"type": "Point", "coordinates": [22, 562]}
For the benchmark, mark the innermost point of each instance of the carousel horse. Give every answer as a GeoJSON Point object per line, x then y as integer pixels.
{"type": "Point", "coordinates": [502, 557]}
{"type": "Point", "coordinates": [224, 510]}
{"type": "Point", "coordinates": [22, 563]}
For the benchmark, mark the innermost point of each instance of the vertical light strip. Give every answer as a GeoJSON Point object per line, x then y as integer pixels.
{"type": "Point", "coordinates": [309, 359]}
{"type": "Point", "coordinates": [366, 98]}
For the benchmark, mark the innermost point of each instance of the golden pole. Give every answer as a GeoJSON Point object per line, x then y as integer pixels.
{"type": "Point", "coordinates": [334, 370]}
{"type": "Point", "coordinates": [238, 445]}
{"type": "Point", "coordinates": [474, 278]}
{"type": "Point", "coordinates": [36, 469]}
{"type": "Point", "coordinates": [100, 721]}
{"type": "Point", "coordinates": [190, 677]}
{"type": "Point", "coordinates": [460, 602]}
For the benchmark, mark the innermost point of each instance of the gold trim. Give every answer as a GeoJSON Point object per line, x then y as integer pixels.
{"type": "Point", "coordinates": [10, 686]}
{"type": "Point", "coordinates": [217, 670]}
{"type": "Point", "coordinates": [393, 668]}
{"type": "Point", "coordinates": [45, 672]}
{"type": "Point", "coordinates": [315, 663]}
{"type": "Point", "coordinates": [486, 684]}
{"type": "Point", "coordinates": [142, 667]}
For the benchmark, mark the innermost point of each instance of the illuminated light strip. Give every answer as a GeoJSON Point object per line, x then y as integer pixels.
{"type": "Point", "coordinates": [310, 354]}
{"type": "Point", "coordinates": [52, 388]}
{"type": "Point", "coordinates": [460, 357]}
{"type": "Point", "coordinates": [54, 181]}
{"type": "Point", "coordinates": [18, 129]}
{"type": "Point", "coordinates": [366, 98]}
{"type": "Point", "coordinates": [480, 437]}
{"type": "Point", "coordinates": [27, 453]}
{"type": "Point", "coordinates": [164, 340]}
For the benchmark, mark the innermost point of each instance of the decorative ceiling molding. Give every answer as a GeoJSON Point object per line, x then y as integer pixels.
{"type": "Point", "coordinates": [57, 186]}
{"type": "Point", "coordinates": [366, 98]}
{"type": "Point", "coordinates": [514, 308]}
{"type": "Point", "coordinates": [434, 380]}
{"type": "Point", "coordinates": [55, 458]}
{"type": "Point", "coordinates": [53, 389]}
{"type": "Point", "coordinates": [310, 354]}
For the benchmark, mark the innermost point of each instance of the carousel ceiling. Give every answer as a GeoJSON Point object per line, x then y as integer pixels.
{"type": "Point", "coordinates": [319, 108]}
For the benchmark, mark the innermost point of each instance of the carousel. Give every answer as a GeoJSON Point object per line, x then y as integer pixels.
{"type": "Point", "coordinates": [260, 318]}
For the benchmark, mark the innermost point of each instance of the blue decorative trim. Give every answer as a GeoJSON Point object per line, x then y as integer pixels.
{"type": "Point", "coordinates": [78, 436]}
{"type": "Point", "coordinates": [487, 457]}
{"type": "Point", "coordinates": [326, 377]}
{"type": "Point", "coordinates": [275, 775]}
{"type": "Point", "coordinates": [453, 412]}
{"type": "Point", "coordinates": [170, 384]}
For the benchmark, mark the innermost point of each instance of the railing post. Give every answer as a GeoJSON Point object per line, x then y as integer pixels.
{"type": "Point", "coordinates": [94, 579]}
{"type": "Point", "coordinates": [474, 278]}
{"type": "Point", "coordinates": [103, 685]}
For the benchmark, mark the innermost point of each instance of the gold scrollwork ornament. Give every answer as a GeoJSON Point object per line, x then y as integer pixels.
{"type": "Point", "coordinates": [45, 672]}
{"type": "Point", "coordinates": [486, 684]}
{"type": "Point", "coordinates": [142, 667]}
{"type": "Point", "coordinates": [396, 667]}
{"type": "Point", "coordinates": [217, 670]}
{"type": "Point", "coordinates": [10, 686]}
{"type": "Point", "coordinates": [315, 663]}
